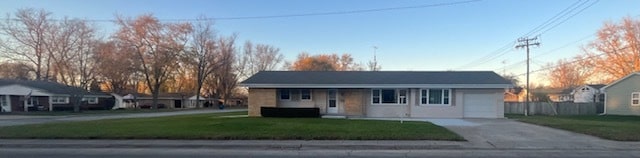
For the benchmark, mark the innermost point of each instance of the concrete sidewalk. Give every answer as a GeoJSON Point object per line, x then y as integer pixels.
{"type": "Point", "coordinates": [234, 144]}
{"type": "Point", "coordinates": [286, 144]}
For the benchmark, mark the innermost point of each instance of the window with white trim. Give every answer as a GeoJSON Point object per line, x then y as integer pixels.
{"type": "Point", "coordinates": [389, 96]}
{"type": "Point", "coordinates": [375, 96]}
{"type": "Point", "coordinates": [91, 100]}
{"type": "Point", "coordinates": [60, 100]}
{"type": "Point", "coordinates": [402, 96]}
{"type": "Point", "coordinates": [4, 101]}
{"type": "Point", "coordinates": [305, 94]}
{"type": "Point", "coordinates": [635, 99]}
{"type": "Point", "coordinates": [435, 96]}
{"type": "Point", "coordinates": [285, 94]}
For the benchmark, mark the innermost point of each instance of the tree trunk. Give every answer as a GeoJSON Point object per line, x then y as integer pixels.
{"type": "Point", "coordinates": [154, 100]}
{"type": "Point", "coordinates": [198, 95]}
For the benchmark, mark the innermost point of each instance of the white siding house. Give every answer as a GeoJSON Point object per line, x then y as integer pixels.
{"type": "Point", "coordinates": [587, 93]}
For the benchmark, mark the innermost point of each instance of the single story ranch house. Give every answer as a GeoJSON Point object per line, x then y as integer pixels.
{"type": "Point", "coordinates": [392, 94]}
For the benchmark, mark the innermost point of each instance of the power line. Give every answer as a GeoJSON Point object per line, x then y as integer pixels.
{"type": "Point", "coordinates": [544, 24]}
{"type": "Point", "coordinates": [575, 61]}
{"type": "Point", "coordinates": [495, 54]}
{"type": "Point", "coordinates": [561, 22]}
{"type": "Point", "coordinates": [550, 51]}
{"type": "Point", "coordinates": [553, 50]}
{"type": "Point", "coordinates": [302, 14]}
{"type": "Point", "coordinates": [570, 9]}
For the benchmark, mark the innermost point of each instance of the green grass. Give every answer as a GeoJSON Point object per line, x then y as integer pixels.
{"type": "Point", "coordinates": [621, 128]}
{"type": "Point", "coordinates": [213, 126]}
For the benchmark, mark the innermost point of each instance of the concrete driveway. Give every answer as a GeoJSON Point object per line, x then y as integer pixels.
{"type": "Point", "coordinates": [511, 134]}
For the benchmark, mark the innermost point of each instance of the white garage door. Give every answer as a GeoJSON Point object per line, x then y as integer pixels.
{"type": "Point", "coordinates": [480, 105]}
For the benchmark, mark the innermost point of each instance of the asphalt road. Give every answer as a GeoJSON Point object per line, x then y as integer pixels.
{"type": "Point", "coordinates": [203, 152]}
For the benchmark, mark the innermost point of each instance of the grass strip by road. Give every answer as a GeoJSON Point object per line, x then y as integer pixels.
{"type": "Point", "coordinates": [221, 126]}
{"type": "Point", "coordinates": [621, 128]}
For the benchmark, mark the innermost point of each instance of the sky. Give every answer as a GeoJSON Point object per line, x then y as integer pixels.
{"type": "Point", "coordinates": [460, 36]}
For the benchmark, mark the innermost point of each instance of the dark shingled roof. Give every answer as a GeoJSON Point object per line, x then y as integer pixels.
{"type": "Point", "coordinates": [49, 87]}
{"type": "Point", "coordinates": [596, 86]}
{"type": "Point", "coordinates": [376, 77]}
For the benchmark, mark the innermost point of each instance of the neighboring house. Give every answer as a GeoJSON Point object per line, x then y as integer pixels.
{"type": "Point", "coordinates": [165, 100]}
{"type": "Point", "coordinates": [420, 94]}
{"type": "Point", "coordinates": [588, 93]}
{"type": "Point", "coordinates": [234, 102]}
{"type": "Point", "coordinates": [21, 95]}
{"type": "Point", "coordinates": [622, 97]}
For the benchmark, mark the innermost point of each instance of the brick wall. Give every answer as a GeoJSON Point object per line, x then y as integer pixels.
{"type": "Point", "coordinates": [353, 101]}
{"type": "Point", "coordinates": [261, 98]}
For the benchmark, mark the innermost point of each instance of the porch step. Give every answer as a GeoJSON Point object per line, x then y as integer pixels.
{"type": "Point", "coordinates": [334, 116]}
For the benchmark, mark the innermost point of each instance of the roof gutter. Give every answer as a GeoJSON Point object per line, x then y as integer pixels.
{"type": "Point", "coordinates": [471, 86]}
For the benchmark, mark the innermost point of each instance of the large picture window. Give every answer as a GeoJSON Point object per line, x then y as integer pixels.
{"type": "Point", "coordinates": [635, 99]}
{"type": "Point", "coordinates": [435, 96]}
{"type": "Point", "coordinates": [285, 94]}
{"type": "Point", "coordinates": [389, 96]}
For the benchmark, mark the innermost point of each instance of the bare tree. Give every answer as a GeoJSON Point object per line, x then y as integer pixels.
{"type": "Point", "coordinates": [202, 53]}
{"type": "Point", "coordinates": [259, 57]}
{"type": "Point", "coordinates": [117, 66]}
{"type": "Point", "coordinates": [620, 44]}
{"type": "Point", "coordinates": [225, 78]}
{"type": "Point", "coordinates": [25, 39]}
{"type": "Point", "coordinates": [15, 70]}
{"type": "Point", "coordinates": [156, 45]}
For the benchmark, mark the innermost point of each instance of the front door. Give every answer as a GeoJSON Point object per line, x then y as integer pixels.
{"type": "Point", "coordinates": [332, 101]}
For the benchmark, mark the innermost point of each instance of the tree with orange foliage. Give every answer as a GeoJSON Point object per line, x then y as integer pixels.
{"type": "Point", "coordinates": [324, 62]}
{"type": "Point", "coordinates": [566, 74]}
{"type": "Point", "coordinates": [616, 51]}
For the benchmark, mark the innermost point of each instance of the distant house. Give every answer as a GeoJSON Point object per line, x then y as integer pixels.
{"type": "Point", "coordinates": [21, 95]}
{"type": "Point", "coordinates": [622, 97]}
{"type": "Point", "coordinates": [552, 94]}
{"type": "Point", "coordinates": [417, 94]}
{"type": "Point", "coordinates": [165, 100]}
{"type": "Point", "coordinates": [588, 93]}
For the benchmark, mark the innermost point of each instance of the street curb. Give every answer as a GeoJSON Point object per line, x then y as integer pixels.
{"type": "Point", "coordinates": [235, 146]}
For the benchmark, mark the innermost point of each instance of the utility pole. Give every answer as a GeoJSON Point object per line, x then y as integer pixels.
{"type": "Point", "coordinates": [526, 42]}
{"type": "Point", "coordinates": [375, 62]}
{"type": "Point", "coordinates": [504, 68]}
{"type": "Point", "coordinates": [374, 65]}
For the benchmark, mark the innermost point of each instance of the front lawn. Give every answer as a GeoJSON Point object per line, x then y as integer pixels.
{"type": "Point", "coordinates": [622, 128]}
{"type": "Point", "coordinates": [221, 126]}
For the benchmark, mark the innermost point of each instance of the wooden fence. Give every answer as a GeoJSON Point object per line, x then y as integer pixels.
{"type": "Point", "coordinates": [554, 108]}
